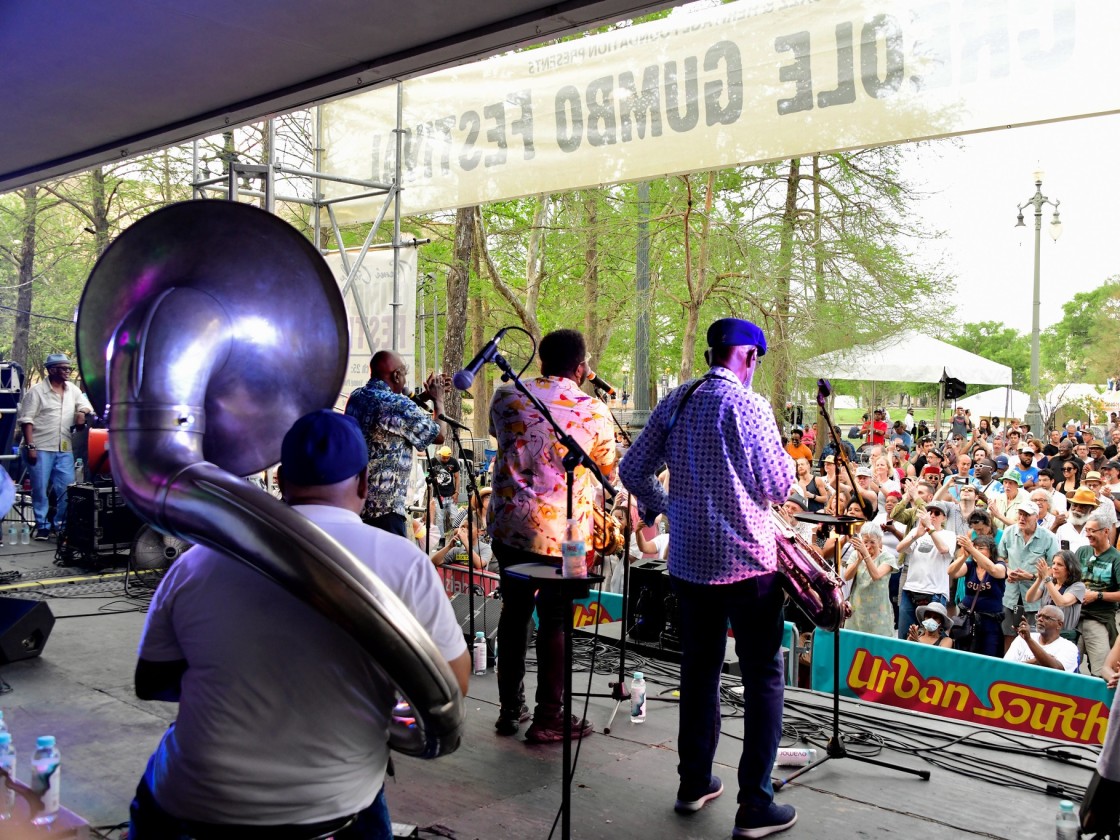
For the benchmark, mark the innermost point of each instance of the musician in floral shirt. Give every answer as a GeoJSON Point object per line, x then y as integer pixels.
{"type": "Point", "coordinates": [528, 509]}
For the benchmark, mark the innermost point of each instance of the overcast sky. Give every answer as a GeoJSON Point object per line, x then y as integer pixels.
{"type": "Point", "coordinates": [976, 187]}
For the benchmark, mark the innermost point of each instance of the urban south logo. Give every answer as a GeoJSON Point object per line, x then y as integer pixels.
{"type": "Point", "coordinates": [897, 682]}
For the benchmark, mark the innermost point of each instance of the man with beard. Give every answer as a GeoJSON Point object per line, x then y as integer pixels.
{"type": "Point", "coordinates": [1028, 472]}
{"type": "Point", "coordinates": [1070, 526]}
{"type": "Point", "coordinates": [1097, 458]}
{"type": "Point", "coordinates": [1100, 565]}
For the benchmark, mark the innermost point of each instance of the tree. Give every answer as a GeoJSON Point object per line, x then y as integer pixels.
{"type": "Point", "coordinates": [1082, 342]}
{"type": "Point", "coordinates": [999, 343]}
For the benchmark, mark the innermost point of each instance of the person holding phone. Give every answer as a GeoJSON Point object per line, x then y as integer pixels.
{"type": "Point", "coordinates": [1060, 583]}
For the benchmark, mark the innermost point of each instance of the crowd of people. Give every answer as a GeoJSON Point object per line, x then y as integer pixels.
{"type": "Point", "coordinates": [983, 532]}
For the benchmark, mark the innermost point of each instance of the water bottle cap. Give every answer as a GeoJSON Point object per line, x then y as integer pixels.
{"type": "Point", "coordinates": [5, 738]}
{"type": "Point", "coordinates": [44, 741]}
{"type": "Point", "coordinates": [479, 635]}
{"type": "Point", "coordinates": [1066, 805]}
{"type": "Point", "coordinates": [638, 675]}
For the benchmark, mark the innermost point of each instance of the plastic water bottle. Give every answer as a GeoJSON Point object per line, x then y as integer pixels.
{"type": "Point", "coordinates": [795, 757]}
{"type": "Point", "coordinates": [638, 698]}
{"type": "Point", "coordinates": [574, 550]}
{"type": "Point", "coordinates": [8, 765]}
{"type": "Point", "coordinates": [79, 471]}
{"type": "Point", "coordinates": [46, 776]}
{"type": "Point", "coordinates": [13, 534]}
{"type": "Point", "coordinates": [1068, 824]}
{"type": "Point", "coordinates": [479, 652]}
{"type": "Point", "coordinates": [25, 534]}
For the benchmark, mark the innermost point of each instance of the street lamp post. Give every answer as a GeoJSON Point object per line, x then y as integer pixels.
{"type": "Point", "coordinates": [1038, 201]}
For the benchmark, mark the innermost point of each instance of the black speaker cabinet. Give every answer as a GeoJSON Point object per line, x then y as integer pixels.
{"type": "Point", "coordinates": [24, 628]}
{"type": "Point", "coordinates": [649, 587]}
{"type": "Point", "coordinates": [487, 611]}
{"type": "Point", "coordinates": [98, 520]}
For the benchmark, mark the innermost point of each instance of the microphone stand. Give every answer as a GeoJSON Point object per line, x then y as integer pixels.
{"type": "Point", "coordinates": [575, 455]}
{"type": "Point", "coordinates": [841, 525]}
{"type": "Point", "coordinates": [471, 488]}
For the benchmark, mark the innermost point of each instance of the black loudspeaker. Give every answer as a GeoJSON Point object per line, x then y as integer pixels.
{"type": "Point", "coordinates": [648, 591]}
{"type": "Point", "coordinates": [24, 628]}
{"type": "Point", "coordinates": [98, 520]}
{"type": "Point", "coordinates": [954, 388]}
{"type": "Point", "coordinates": [487, 611]}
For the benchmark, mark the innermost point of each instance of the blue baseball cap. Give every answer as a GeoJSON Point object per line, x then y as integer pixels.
{"type": "Point", "coordinates": [735, 332]}
{"type": "Point", "coordinates": [323, 447]}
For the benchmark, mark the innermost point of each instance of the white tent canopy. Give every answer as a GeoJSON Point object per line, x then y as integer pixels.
{"type": "Point", "coordinates": [994, 403]}
{"type": "Point", "coordinates": [907, 357]}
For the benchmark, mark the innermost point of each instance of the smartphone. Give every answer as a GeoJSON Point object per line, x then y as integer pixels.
{"type": "Point", "coordinates": [1065, 545]}
{"type": "Point", "coordinates": [961, 479]}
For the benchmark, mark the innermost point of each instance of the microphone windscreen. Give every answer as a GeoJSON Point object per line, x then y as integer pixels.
{"type": "Point", "coordinates": [463, 380]}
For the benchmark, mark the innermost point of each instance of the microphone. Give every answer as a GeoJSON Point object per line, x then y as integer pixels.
{"type": "Point", "coordinates": [465, 378]}
{"type": "Point", "coordinates": [599, 383]}
{"type": "Point", "coordinates": [824, 390]}
{"type": "Point", "coordinates": [420, 398]}
{"type": "Point", "coordinates": [454, 423]}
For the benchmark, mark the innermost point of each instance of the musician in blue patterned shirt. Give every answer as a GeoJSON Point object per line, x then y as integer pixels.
{"type": "Point", "coordinates": [393, 426]}
{"type": "Point", "coordinates": [723, 449]}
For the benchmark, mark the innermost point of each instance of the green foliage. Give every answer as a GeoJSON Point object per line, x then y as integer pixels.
{"type": "Point", "coordinates": [999, 343]}
{"type": "Point", "coordinates": [1083, 345]}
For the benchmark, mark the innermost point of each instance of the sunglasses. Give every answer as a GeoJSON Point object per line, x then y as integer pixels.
{"type": "Point", "coordinates": [1069, 469]}
{"type": "Point", "coordinates": [936, 512]}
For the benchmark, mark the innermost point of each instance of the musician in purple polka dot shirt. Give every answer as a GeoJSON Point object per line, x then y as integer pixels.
{"type": "Point", "coordinates": [723, 449]}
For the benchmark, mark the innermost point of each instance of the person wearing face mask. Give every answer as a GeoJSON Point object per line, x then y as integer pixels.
{"type": "Point", "coordinates": [933, 626]}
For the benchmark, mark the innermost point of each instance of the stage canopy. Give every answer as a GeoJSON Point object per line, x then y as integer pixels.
{"type": "Point", "coordinates": [907, 357]}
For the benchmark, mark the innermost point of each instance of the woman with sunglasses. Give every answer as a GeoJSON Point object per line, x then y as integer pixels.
{"type": "Point", "coordinates": [1070, 480]}
{"type": "Point", "coordinates": [1060, 583]}
{"type": "Point", "coordinates": [929, 551]}
{"type": "Point", "coordinates": [985, 577]}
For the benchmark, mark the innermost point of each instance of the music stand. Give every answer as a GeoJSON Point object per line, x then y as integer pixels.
{"type": "Point", "coordinates": [570, 589]}
{"type": "Point", "coordinates": [841, 525]}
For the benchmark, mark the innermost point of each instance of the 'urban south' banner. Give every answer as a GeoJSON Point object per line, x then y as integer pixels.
{"type": "Point", "coordinates": [967, 687]}
{"type": "Point", "coordinates": [737, 83]}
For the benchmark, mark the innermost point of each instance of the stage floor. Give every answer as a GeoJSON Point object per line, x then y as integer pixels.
{"type": "Point", "coordinates": [494, 788]}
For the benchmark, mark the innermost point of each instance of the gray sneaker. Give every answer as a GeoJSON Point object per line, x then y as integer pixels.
{"type": "Point", "coordinates": [762, 823]}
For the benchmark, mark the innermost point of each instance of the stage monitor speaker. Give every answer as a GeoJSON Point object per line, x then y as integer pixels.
{"type": "Point", "coordinates": [24, 628]}
{"type": "Point", "coordinates": [954, 388]}
{"type": "Point", "coordinates": [487, 611]}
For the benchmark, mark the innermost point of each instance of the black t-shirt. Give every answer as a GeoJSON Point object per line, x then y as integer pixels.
{"type": "Point", "coordinates": [1050, 449]}
{"type": "Point", "coordinates": [442, 475]}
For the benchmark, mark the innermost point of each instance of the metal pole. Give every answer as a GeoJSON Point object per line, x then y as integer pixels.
{"type": "Point", "coordinates": [641, 331]}
{"type": "Point", "coordinates": [395, 306]}
{"type": "Point", "coordinates": [1033, 416]}
{"type": "Point", "coordinates": [317, 185]}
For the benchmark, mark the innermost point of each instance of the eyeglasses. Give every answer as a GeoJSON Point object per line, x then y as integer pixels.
{"type": "Point", "coordinates": [1091, 531]}
{"type": "Point", "coordinates": [1068, 469]}
{"type": "Point", "coordinates": [1055, 619]}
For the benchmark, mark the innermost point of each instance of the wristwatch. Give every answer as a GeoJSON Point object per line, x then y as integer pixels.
{"type": "Point", "coordinates": [1048, 579]}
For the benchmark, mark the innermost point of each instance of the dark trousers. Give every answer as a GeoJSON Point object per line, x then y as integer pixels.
{"type": "Point", "coordinates": [754, 609]}
{"type": "Point", "coordinates": [394, 523]}
{"type": "Point", "coordinates": [148, 821]}
{"type": "Point", "coordinates": [988, 638]}
{"type": "Point", "coordinates": [514, 627]}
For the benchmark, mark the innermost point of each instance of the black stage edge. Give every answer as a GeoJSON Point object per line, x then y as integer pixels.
{"type": "Point", "coordinates": [611, 634]}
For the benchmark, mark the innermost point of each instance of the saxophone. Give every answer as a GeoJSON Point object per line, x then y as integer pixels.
{"type": "Point", "coordinates": [206, 329]}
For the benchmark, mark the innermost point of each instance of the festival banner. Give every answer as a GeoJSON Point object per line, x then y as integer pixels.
{"type": "Point", "coordinates": [751, 81]}
{"type": "Point", "coordinates": [966, 687]}
{"type": "Point", "coordinates": [373, 285]}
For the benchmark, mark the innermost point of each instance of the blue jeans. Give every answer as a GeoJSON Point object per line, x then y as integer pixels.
{"type": "Point", "coordinates": [56, 471]}
{"type": "Point", "coordinates": [148, 821]}
{"type": "Point", "coordinates": [908, 610]}
{"type": "Point", "coordinates": [754, 609]}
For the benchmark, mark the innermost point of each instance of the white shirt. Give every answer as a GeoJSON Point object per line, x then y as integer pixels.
{"type": "Point", "coordinates": [283, 717]}
{"type": "Point", "coordinates": [1077, 539]}
{"type": "Point", "coordinates": [929, 567]}
{"type": "Point", "coordinates": [52, 414]}
{"type": "Point", "coordinates": [1061, 649]}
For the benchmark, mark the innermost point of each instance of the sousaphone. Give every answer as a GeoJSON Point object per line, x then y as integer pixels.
{"type": "Point", "coordinates": [205, 330]}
